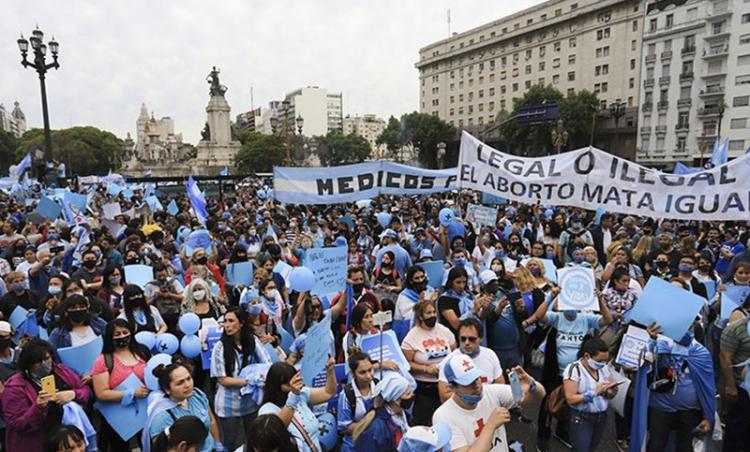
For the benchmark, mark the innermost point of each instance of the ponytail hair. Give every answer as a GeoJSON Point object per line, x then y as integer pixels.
{"type": "Point", "coordinates": [163, 372]}
{"type": "Point", "coordinates": [364, 424]}
{"type": "Point", "coordinates": [188, 429]}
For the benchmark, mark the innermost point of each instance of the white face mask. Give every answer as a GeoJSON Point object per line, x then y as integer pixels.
{"type": "Point", "coordinates": [496, 268]}
{"type": "Point", "coordinates": [271, 294]}
{"type": "Point", "coordinates": [199, 295]}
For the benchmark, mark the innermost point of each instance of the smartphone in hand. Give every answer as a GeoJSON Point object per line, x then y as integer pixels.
{"type": "Point", "coordinates": [515, 386]}
{"type": "Point", "coordinates": [48, 385]}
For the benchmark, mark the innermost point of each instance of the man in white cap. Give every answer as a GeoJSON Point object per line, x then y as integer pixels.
{"type": "Point", "coordinates": [426, 439]}
{"type": "Point", "coordinates": [470, 333]}
{"type": "Point", "coordinates": [478, 413]}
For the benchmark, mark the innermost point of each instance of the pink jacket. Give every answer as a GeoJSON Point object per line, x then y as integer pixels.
{"type": "Point", "coordinates": [25, 430]}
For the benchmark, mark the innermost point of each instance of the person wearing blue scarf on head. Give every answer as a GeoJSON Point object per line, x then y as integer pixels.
{"type": "Point", "coordinates": [682, 391]}
{"type": "Point", "coordinates": [382, 428]}
{"type": "Point", "coordinates": [427, 439]}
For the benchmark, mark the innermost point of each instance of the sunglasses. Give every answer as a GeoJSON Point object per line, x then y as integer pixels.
{"type": "Point", "coordinates": [468, 339]}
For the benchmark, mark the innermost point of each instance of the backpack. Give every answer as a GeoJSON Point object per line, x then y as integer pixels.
{"type": "Point", "coordinates": [351, 398]}
{"type": "Point", "coordinates": [167, 306]}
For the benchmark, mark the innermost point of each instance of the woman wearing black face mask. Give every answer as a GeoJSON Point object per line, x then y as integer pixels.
{"type": "Point", "coordinates": [30, 413]}
{"type": "Point", "coordinates": [78, 325]}
{"type": "Point", "coordinates": [140, 315]}
{"type": "Point", "coordinates": [121, 357]}
{"type": "Point", "coordinates": [426, 345]}
{"type": "Point", "coordinates": [386, 278]}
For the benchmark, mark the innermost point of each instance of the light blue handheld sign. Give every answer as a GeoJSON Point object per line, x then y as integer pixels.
{"type": "Point", "coordinates": [81, 358]}
{"type": "Point", "coordinates": [240, 273]}
{"type": "Point", "coordinates": [577, 286]}
{"type": "Point", "coordinates": [674, 309]}
{"type": "Point", "coordinates": [434, 271]}
{"type": "Point", "coordinates": [317, 348]}
{"type": "Point", "coordinates": [329, 267]}
{"type": "Point", "coordinates": [370, 344]}
{"type": "Point", "coordinates": [129, 419]}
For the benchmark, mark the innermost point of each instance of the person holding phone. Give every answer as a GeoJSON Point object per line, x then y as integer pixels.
{"type": "Point", "coordinates": [286, 396]}
{"type": "Point", "coordinates": [588, 387]}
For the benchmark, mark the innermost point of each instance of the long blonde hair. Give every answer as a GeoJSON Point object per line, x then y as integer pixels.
{"type": "Point", "coordinates": [643, 247]}
{"type": "Point", "coordinates": [523, 279]}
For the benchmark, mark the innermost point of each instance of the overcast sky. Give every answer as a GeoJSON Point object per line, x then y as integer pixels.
{"type": "Point", "coordinates": [115, 54]}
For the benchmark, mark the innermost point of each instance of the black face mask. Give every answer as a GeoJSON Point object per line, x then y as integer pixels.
{"type": "Point", "coordinates": [431, 322]}
{"type": "Point", "coordinates": [419, 287]}
{"type": "Point", "coordinates": [131, 261]}
{"type": "Point", "coordinates": [77, 316]}
{"type": "Point", "coordinates": [202, 261]}
{"type": "Point", "coordinates": [230, 245]}
{"type": "Point", "coordinates": [358, 287]}
{"type": "Point", "coordinates": [89, 264]}
{"type": "Point", "coordinates": [5, 343]}
{"type": "Point", "coordinates": [406, 403]}
{"type": "Point", "coordinates": [122, 342]}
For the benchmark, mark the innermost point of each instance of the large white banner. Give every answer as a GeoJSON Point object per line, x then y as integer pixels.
{"type": "Point", "coordinates": [350, 183]}
{"type": "Point", "coordinates": [591, 178]}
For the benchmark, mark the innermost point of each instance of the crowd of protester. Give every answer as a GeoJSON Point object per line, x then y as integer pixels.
{"type": "Point", "coordinates": [491, 320]}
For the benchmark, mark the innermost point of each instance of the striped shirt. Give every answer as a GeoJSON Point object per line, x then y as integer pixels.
{"type": "Point", "coordinates": [228, 402]}
{"type": "Point", "coordinates": [577, 372]}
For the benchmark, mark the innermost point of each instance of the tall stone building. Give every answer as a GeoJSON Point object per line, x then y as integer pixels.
{"type": "Point", "coordinates": [695, 78]}
{"type": "Point", "coordinates": [13, 121]}
{"type": "Point", "coordinates": [321, 111]}
{"type": "Point", "coordinates": [155, 139]}
{"type": "Point", "coordinates": [368, 127]}
{"type": "Point", "coordinates": [470, 77]}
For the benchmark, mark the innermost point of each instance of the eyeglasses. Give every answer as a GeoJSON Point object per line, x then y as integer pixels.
{"type": "Point", "coordinates": [469, 339]}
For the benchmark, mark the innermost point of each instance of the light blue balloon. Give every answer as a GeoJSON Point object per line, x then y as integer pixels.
{"type": "Point", "coordinates": [384, 219]}
{"type": "Point", "coordinates": [327, 431]}
{"type": "Point", "coordinates": [446, 216]}
{"type": "Point", "coordinates": [549, 213]}
{"type": "Point", "coordinates": [151, 381]}
{"type": "Point", "coordinates": [146, 338]}
{"type": "Point", "coordinates": [167, 343]}
{"type": "Point", "coordinates": [189, 323]}
{"type": "Point", "coordinates": [301, 279]}
{"type": "Point", "coordinates": [190, 346]}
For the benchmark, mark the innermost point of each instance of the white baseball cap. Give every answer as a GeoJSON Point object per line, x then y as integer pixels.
{"type": "Point", "coordinates": [487, 276]}
{"type": "Point", "coordinates": [461, 369]}
{"type": "Point", "coordinates": [426, 439]}
{"type": "Point", "coordinates": [5, 327]}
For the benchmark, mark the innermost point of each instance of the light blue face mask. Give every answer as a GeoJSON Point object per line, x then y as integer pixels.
{"type": "Point", "coordinates": [54, 290]}
{"type": "Point", "coordinates": [254, 309]}
{"type": "Point", "coordinates": [469, 399]}
{"type": "Point", "coordinates": [596, 365]}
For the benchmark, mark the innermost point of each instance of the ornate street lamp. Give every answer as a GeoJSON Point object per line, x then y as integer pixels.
{"type": "Point", "coordinates": [616, 111]}
{"type": "Point", "coordinates": [300, 123]}
{"type": "Point", "coordinates": [41, 66]}
{"type": "Point", "coordinates": [441, 155]}
{"type": "Point", "coordinates": [559, 137]}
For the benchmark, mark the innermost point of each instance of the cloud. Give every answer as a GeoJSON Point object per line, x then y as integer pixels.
{"type": "Point", "coordinates": [116, 54]}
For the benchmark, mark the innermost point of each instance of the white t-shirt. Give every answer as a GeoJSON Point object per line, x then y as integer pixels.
{"type": "Point", "coordinates": [483, 259]}
{"type": "Point", "coordinates": [467, 425]}
{"type": "Point", "coordinates": [486, 361]}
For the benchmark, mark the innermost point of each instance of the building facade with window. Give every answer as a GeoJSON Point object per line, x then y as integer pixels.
{"type": "Point", "coordinates": [470, 77]}
{"type": "Point", "coordinates": [695, 79]}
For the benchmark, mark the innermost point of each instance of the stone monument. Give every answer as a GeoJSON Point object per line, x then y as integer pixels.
{"type": "Point", "coordinates": [217, 147]}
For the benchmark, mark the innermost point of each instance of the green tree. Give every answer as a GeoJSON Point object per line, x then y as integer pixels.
{"type": "Point", "coordinates": [338, 149]}
{"type": "Point", "coordinates": [424, 131]}
{"type": "Point", "coordinates": [84, 150]}
{"type": "Point", "coordinates": [8, 145]}
{"type": "Point", "coordinates": [576, 112]}
{"type": "Point", "coordinates": [260, 153]}
{"type": "Point", "coordinates": [391, 138]}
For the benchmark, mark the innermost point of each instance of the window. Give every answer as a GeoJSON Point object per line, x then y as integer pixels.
{"type": "Point", "coordinates": [491, 106]}
{"type": "Point", "coordinates": [736, 145]}
{"type": "Point", "coordinates": [632, 64]}
{"type": "Point", "coordinates": [528, 54]}
{"type": "Point", "coordinates": [683, 119]}
{"type": "Point", "coordinates": [681, 144]}
{"type": "Point", "coordinates": [574, 6]}
{"type": "Point", "coordinates": [743, 60]}
{"type": "Point", "coordinates": [717, 27]}
{"type": "Point", "coordinates": [741, 101]}
{"type": "Point", "coordinates": [540, 81]}
{"type": "Point", "coordinates": [529, 21]}
{"type": "Point", "coordinates": [745, 39]}
{"type": "Point", "coordinates": [451, 112]}
{"type": "Point", "coordinates": [452, 99]}
{"type": "Point", "coordinates": [605, 85]}
{"type": "Point", "coordinates": [492, 92]}
{"type": "Point", "coordinates": [633, 44]}
{"type": "Point", "coordinates": [652, 25]}
{"type": "Point", "coordinates": [665, 70]}
{"type": "Point", "coordinates": [689, 42]}
{"type": "Point", "coordinates": [649, 73]}
{"type": "Point", "coordinates": [667, 45]}
{"type": "Point", "coordinates": [692, 13]}
{"type": "Point", "coordinates": [515, 72]}
{"type": "Point", "coordinates": [635, 25]}
{"type": "Point", "coordinates": [742, 80]}
{"type": "Point", "coordinates": [745, 18]}
{"type": "Point", "coordinates": [571, 91]}
{"type": "Point", "coordinates": [738, 123]}
{"type": "Point", "coordinates": [651, 50]}
{"type": "Point", "coordinates": [645, 144]}
{"type": "Point", "coordinates": [648, 97]}
{"type": "Point", "coordinates": [480, 93]}
{"type": "Point", "coordinates": [685, 92]}
{"type": "Point", "coordinates": [541, 65]}
{"type": "Point", "coordinates": [502, 104]}
{"type": "Point", "coordinates": [572, 59]}
{"type": "Point", "coordinates": [572, 43]}
{"type": "Point", "coordinates": [556, 62]}
{"type": "Point", "coordinates": [460, 97]}
{"type": "Point", "coordinates": [670, 20]}
{"type": "Point", "coordinates": [687, 67]}
{"type": "Point", "coordinates": [542, 50]}
{"type": "Point", "coordinates": [558, 12]}
{"type": "Point", "coordinates": [527, 84]}
{"type": "Point", "coordinates": [557, 46]}
{"type": "Point", "coordinates": [492, 78]}
{"type": "Point", "coordinates": [571, 76]}
{"type": "Point", "coordinates": [502, 89]}
{"type": "Point", "coordinates": [515, 87]}
{"type": "Point", "coordinates": [663, 95]}
{"type": "Point", "coordinates": [631, 83]}
{"type": "Point", "coordinates": [471, 96]}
